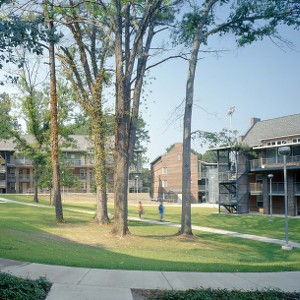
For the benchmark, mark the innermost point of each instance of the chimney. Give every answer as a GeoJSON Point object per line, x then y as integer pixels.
{"type": "Point", "coordinates": [254, 121]}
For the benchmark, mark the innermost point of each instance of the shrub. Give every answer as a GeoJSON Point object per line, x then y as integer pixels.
{"type": "Point", "coordinates": [211, 294]}
{"type": "Point", "coordinates": [12, 287]}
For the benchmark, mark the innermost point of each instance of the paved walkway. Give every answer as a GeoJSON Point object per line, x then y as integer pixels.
{"type": "Point", "coordinates": [91, 284]}
{"type": "Point", "coordinates": [71, 283]}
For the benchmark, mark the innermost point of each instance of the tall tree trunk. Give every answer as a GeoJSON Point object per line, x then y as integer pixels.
{"type": "Point", "coordinates": [186, 217]}
{"type": "Point", "coordinates": [121, 187]}
{"type": "Point", "coordinates": [121, 164]}
{"type": "Point", "coordinates": [126, 55]}
{"type": "Point", "coordinates": [36, 181]}
{"type": "Point", "coordinates": [100, 172]}
{"type": "Point", "coordinates": [54, 124]}
{"type": "Point", "coordinates": [121, 135]}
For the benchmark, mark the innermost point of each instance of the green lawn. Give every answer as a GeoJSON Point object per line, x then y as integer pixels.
{"type": "Point", "coordinates": [201, 216]}
{"type": "Point", "coordinates": [31, 234]}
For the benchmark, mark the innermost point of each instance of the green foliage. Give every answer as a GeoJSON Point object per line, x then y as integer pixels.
{"type": "Point", "coordinates": [168, 149]}
{"type": "Point", "coordinates": [8, 123]}
{"type": "Point", "coordinates": [209, 156]}
{"type": "Point", "coordinates": [35, 106]}
{"type": "Point", "coordinates": [212, 294]}
{"type": "Point", "coordinates": [12, 287]}
{"type": "Point", "coordinates": [244, 14]}
{"type": "Point", "coordinates": [188, 27]}
{"type": "Point", "coordinates": [224, 138]}
{"type": "Point", "coordinates": [247, 20]}
{"type": "Point", "coordinates": [16, 30]}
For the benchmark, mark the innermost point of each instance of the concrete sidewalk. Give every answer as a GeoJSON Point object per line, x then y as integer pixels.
{"type": "Point", "coordinates": [91, 284]}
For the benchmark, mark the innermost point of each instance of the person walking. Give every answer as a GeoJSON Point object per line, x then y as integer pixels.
{"type": "Point", "coordinates": [161, 211]}
{"type": "Point", "coordinates": [140, 209]}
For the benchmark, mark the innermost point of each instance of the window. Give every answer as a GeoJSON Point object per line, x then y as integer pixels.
{"type": "Point", "coordinates": [178, 156]}
{"type": "Point", "coordinates": [12, 186]}
{"type": "Point", "coordinates": [295, 141]}
{"type": "Point", "coordinates": [83, 185]}
{"type": "Point", "coordinates": [259, 201]}
{"type": "Point", "coordinates": [82, 173]}
{"type": "Point", "coordinates": [259, 178]}
{"type": "Point", "coordinates": [164, 183]}
{"type": "Point", "coordinates": [164, 171]}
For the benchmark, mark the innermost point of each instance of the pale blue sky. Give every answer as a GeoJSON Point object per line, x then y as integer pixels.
{"type": "Point", "coordinates": [260, 80]}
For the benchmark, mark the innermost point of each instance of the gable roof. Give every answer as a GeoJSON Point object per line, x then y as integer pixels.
{"type": "Point", "coordinates": [272, 129]}
{"type": "Point", "coordinates": [81, 143]}
{"type": "Point", "coordinates": [10, 145]}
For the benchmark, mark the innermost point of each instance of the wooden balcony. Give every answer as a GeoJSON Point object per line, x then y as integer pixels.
{"type": "Point", "coordinates": [274, 163]}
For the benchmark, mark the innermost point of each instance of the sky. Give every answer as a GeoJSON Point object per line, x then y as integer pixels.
{"type": "Point", "coordinates": [260, 80]}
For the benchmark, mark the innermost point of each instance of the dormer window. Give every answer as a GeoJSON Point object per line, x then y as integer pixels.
{"type": "Point", "coordinates": [296, 140]}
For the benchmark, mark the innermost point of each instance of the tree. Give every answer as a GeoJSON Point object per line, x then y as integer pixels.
{"type": "Point", "coordinates": [18, 31]}
{"type": "Point", "coordinates": [84, 65]}
{"type": "Point", "coordinates": [11, 130]}
{"type": "Point", "coordinates": [36, 113]}
{"type": "Point", "coordinates": [133, 28]}
{"type": "Point", "coordinates": [52, 39]}
{"type": "Point", "coordinates": [209, 156]}
{"type": "Point", "coordinates": [248, 21]}
{"type": "Point", "coordinates": [9, 126]}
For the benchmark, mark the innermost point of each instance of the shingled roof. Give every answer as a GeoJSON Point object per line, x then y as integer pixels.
{"type": "Point", "coordinates": [272, 129]}
{"type": "Point", "coordinates": [80, 143]}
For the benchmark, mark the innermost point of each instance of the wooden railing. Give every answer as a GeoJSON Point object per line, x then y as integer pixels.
{"type": "Point", "coordinates": [274, 162]}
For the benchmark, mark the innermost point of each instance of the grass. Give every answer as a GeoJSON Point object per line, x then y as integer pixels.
{"type": "Point", "coordinates": [12, 287]}
{"type": "Point", "coordinates": [201, 216]}
{"type": "Point", "coordinates": [31, 234]}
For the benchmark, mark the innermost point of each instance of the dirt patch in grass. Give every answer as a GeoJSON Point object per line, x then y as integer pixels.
{"type": "Point", "coordinates": [139, 294]}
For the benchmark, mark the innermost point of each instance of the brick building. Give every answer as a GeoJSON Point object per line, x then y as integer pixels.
{"type": "Point", "coordinates": [167, 175]}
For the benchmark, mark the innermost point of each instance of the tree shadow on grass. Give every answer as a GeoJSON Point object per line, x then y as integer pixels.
{"type": "Point", "coordinates": [28, 240]}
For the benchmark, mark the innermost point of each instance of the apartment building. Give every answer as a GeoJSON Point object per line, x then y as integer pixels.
{"type": "Point", "coordinates": [16, 170]}
{"type": "Point", "coordinates": [166, 171]}
{"type": "Point", "coordinates": [249, 180]}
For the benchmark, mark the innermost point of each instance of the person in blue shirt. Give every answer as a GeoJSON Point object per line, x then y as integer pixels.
{"type": "Point", "coordinates": [161, 211]}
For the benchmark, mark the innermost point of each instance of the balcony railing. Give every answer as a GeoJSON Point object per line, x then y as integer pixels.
{"type": "Point", "coordinates": [20, 162]}
{"type": "Point", "coordinates": [256, 187]}
{"type": "Point", "coordinates": [11, 178]}
{"type": "Point", "coordinates": [277, 187]}
{"type": "Point", "coordinates": [274, 162]}
{"type": "Point", "coordinates": [297, 188]}
{"type": "Point", "coordinates": [135, 169]}
{"type": "Point", "coordinates": [227, 176]}
{"type": "Point", "coordinates": [24, 178]}
{"type": "Point", "coordinates": [202, 175]}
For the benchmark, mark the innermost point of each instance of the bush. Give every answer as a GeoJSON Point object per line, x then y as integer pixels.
{"type": "Point", "coordinates": [14, 288]}
{"type": "Point", "coordinates": [211, 294]}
